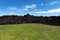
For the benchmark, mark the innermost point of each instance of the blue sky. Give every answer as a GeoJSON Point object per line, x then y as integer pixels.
{"type": "Point", "coordinates": [33, 7]}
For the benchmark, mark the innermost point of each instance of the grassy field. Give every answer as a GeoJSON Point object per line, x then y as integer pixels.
{"type": "Point", "coordinates": [29, 32]}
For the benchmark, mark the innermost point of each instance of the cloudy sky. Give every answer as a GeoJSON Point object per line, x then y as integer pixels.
{"type": "Point", "coordinates": [33, 7]}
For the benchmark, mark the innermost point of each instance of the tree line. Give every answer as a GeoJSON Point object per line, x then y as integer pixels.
{"type": "Point", "coordinates": [15, 19]}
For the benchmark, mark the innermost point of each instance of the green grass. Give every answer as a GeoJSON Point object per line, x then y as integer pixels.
{"type": "Point", "coordinates": [29, 32]}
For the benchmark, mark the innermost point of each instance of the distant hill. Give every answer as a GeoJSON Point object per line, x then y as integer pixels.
{"type": "Point", "coordinates": [15, 19]}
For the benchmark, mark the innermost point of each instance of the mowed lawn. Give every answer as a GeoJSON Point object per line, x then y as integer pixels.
{"type": "Point", "coordinates": [29, 32]}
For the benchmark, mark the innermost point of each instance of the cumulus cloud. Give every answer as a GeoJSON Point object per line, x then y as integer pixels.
{"type": "Point", "coordinates": [48, 11]}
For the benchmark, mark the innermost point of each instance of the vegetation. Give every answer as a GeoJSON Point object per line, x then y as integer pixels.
{"type": "Point", "coordinates": [14, 19]}
{"type": "Point", "coordinates": [29, 32]}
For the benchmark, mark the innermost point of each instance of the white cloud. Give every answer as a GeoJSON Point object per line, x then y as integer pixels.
{"type": "Point", "coordinates": [54, 2]}
{"type": "Point", "coordinates": [42, 4]}
{"type": "Point", "coordinates": [30, 6]}
{"type": "Point", "coordinates": [27, 7]}
{"type": "Point", "coordinates": [54, 11]}
{"type": "Point", "coordinates": [51, 3]}
{"type": "Point", "coordinates": [48, 11]}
